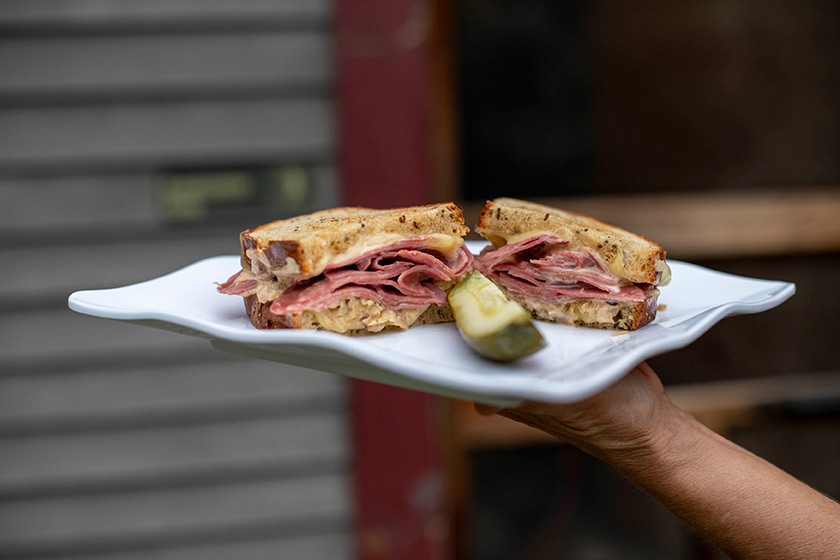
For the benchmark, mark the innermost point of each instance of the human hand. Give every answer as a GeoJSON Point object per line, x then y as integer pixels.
{"type": "Point", "coordinates": [748, 507]}
{"type": "Point", "coordinates": [623, 420]}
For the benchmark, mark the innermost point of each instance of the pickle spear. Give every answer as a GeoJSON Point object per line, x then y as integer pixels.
{"type": "Point", "coordinates": [490, 324]}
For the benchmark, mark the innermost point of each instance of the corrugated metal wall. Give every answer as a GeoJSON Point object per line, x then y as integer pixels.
{"type": "Point", "coordinates": [118, 441]}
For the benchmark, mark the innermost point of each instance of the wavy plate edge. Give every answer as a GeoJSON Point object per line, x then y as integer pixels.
{"type": "Point", "coordinates": [382, 368]}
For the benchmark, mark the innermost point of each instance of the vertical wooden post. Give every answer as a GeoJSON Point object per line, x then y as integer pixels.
{"type": "Point", "coordinates": [383, 102]}
{"type": "Point", "coordinates": [383, 130]}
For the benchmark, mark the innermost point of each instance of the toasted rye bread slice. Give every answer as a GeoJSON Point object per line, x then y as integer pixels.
{"type": "Point", "coordinates": [626, 254]}
{"type": "Point", "coordinates": [262, 317]}
{"type": "Point", "coordinates": [303, 246]}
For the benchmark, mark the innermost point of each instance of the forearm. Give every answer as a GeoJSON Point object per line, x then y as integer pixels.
{"type": "Point", "coordinates": [745, 505]}
{"type": "Point", "coordinates": [749, 508]}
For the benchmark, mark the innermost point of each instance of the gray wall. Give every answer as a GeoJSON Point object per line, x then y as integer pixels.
{"type": "Point", "coordinates": [119, 441]}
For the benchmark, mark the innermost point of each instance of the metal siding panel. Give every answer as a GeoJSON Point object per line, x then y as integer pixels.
{"type": "Point", "coordinates": [58, 338]}
{"type": "Point", "coordinates": [108, 265]}
{"type": "Point", "coordinates": [214, 459]}
{"type": "Point", "coordinates": [133, 456]}
{"type": "Point", "coordinates": [327, 546]}
{"type": "Point", "coordinates": [181, 64]}
{"type": "Point", "coordinates": [103, 203]}
{"type": "Point", "coordinates": [166, 134]}
{"type": "Point", "coordinates": [92, 203]}
{"type": "Point", "coordinates": [29, 526]}
{"type": "Point", "coordinates": [90, 13]}
{"type": "Point", "coordinates": [136, 392]}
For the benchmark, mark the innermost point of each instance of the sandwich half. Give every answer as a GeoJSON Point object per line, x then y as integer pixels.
{"type": "Point", "coordinates": [352, 270]}
{"type": "Point", "coordinates": [569, 268]}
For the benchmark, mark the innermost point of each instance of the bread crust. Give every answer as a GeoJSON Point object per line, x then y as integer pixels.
{"type": "Point", "coordinates": [305, 244]}
{"type": "Point", "coordinates": [625, 254]}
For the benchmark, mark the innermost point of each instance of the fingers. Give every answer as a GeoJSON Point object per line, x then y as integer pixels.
{"type": "Point", "coordinates": [490, 410]}
{"type": "Point", "coordinates": [486, 409]}
{"type": "Point", "coordinates": [650, 377]}
{"type": "Point", "coordinates": [531, 407]}
{"type": "Point", "coordinates": [643, 370]}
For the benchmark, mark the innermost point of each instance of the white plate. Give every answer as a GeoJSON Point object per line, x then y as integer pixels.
{"type": "Point", "coordinates": [578, 362]}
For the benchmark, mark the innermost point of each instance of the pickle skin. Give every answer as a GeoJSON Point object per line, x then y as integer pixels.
{"type": "Point", "coordinates": [511, 334]}
{"type": "Point", "coordinates": [512, 342]}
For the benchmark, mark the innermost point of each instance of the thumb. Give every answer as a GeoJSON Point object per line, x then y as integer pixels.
{"type": "Point", "coordinates": [487, 409]}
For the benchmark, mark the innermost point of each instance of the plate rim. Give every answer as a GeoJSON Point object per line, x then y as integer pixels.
{"type": "Point", "coordinates": [372, 355]}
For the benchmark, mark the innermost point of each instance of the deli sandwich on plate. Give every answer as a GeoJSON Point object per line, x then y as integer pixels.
{"type": "Point", "coordinates": [353, 270]}
{"type": "Point", "coordinates": [569, 268]}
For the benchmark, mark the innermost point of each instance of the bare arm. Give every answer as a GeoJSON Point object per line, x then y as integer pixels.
{"type": "Point", "coordinates": [745, 505]}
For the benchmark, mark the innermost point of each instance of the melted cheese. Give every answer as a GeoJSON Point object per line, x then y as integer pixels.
{"type": "Point", "coordinates": [664, 272]}
{"type": "Point", "coordinates": [446, 244]}
{"type": "Point", "coordinates": [517, 237]}
{"type": "Point", "coordinates": [441, 242]}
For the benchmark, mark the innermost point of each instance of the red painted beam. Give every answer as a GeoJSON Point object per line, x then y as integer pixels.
{"type": "Point", "coordinates": [383, 102]}
{"type": "Point", "coordinates": [384, 157]}
{"type": "Point", "coordinates": [398, 478]}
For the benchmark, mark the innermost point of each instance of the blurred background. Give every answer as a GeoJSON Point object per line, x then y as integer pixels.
{"type": "Point", "coordinates": [139, 137]}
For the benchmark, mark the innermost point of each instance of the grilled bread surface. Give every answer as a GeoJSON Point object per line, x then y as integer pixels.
{"type": "Point", "coordinates": [626, 254]}
{"type": "Point", "coordinates": [304, 245]}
